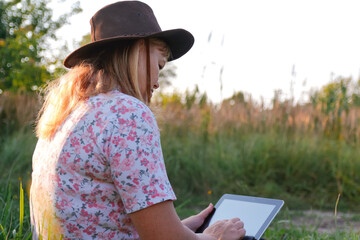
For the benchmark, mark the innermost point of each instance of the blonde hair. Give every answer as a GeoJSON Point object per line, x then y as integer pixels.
{"type": "Point", "coordinates": [113, 68]}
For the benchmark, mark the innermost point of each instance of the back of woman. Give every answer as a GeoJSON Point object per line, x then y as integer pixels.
{"type": "Point", "coordinates": [104, 162]}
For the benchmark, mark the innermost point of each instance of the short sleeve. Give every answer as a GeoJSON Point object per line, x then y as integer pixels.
{"type": "Point", "coordinates": [135, 157]}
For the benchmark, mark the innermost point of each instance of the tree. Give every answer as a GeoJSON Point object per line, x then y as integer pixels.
{"type": "Point", "coordinates": [25, 27]}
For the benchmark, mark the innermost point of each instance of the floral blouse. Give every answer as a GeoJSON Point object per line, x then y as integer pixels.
{"type": "Point", "coordinates": [102, 164]}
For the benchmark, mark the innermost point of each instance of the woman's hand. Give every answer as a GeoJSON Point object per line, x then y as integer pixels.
{"type": "Point", "coordinates": [232, 229]}
{"type": "Point", "coordinates": [194, 222]}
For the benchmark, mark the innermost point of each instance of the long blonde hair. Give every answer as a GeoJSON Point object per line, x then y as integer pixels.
{"type": "Point", "coordinates": [113, 68]}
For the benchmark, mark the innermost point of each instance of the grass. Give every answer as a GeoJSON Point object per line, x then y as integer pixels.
{"type": "Point", "coordinates": [15, 223]}
{"type": "Point", "coordinates": [15, 215]}
{"type": "Point", "coordinates": [15, 158]}
{"type": "Point", "coordinates": [305, 172]}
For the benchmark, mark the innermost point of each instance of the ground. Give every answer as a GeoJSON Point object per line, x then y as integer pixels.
{"type": "Point", "coordinates": [324, 222]}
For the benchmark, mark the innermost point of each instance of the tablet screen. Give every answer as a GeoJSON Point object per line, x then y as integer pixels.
{"type": "Point", "coordinates": [252, 214]}
{"type": "Point", "coordinates": [256, 213]}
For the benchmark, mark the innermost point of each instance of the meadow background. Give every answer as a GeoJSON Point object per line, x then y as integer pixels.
{"type": "Point", "coordinates": [304, 153]}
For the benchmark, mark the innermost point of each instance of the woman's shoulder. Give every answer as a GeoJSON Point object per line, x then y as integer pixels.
{"type": "Point", "coordinates": [116, 98]}
{"type": "Point", "coordinates": [118, 104]}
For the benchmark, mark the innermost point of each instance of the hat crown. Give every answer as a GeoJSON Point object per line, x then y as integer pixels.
{"type": "Point", "coordinates": [122, 19]}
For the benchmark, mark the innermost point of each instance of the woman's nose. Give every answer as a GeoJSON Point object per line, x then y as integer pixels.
{"type": "Point", "coordinates": [156, 85]}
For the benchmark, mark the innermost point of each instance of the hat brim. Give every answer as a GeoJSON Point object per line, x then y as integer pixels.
{"type": "Point", "coordinates": [179, 41]}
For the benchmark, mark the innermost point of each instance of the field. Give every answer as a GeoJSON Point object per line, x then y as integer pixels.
{"type": "Point", "coordinates": [306, 154]}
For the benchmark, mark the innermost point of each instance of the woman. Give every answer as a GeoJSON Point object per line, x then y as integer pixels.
{"type": "Point", "coordinates": [98, 169]}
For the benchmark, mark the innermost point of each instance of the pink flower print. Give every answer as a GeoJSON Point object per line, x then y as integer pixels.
{"type": "Point", "coordinates": [113, 109]}
{"type": "Point", "coordinates": [111, 235]}
{"type": "Point", "coordinates": [90, 130]}
{"type": "Point", "coordinates": [105, 236]}
{"type": "Point", "coordinates": [100, 123]}
{"type": "Point", "coordinates": [114, 218]}
{"type": "Point", "coordinates": [130, 203]}
{"type": "Point", "coordinates": [98, 114]}
{"type": "Point", "coordinates": [123, 109]}
{"type": "Point", "coordinates": [140, 106]}
{"type": "Point", "coordinates": [156, 144]}
{"type": "Point", "coordinates": [99, 103]}
{"type": "Point", "coordinates": [153, 167]}
{"type": "Point", "coordinates": [136, 181]}
{"type": "Point", "coordinates": [83, 197]}
{"type": "Point", "coordinates": [64, 157]}
{"type": "Point", "coordinates": [91, 203]}
{"type": "Point", "coordinates": [75, 167]}
{"type": "Point", "coordinates": [84, 213]}
{"type": "Point", "coordinates": [72, 228]}
{"type": "Point", "coordinates": [123, 143]}
{"type": "Point", "coordinates": [116, 140]}
{"type": "Point", "coordinates": [119, 141]}
{"type": "Point", "coordinates": [61, 171]}
{"type": "Point", "coordinates": [94, 219]}
{"type": "Point", "coordinates": [129, 153]}
{"type": "Point", "coordinates": [122, 121]}
{"type": "Point", "coordinates": [153, 181]}
{"type": "Point", "coordinates": [63, 204]}
{"type": "Point", "coordinates": [76, 186]}
{"type": "Point", "coordinates": [131, 189]}
{"type": "Point", "coordinates": [56, 179]}
{"type": "Point", "coordinates": [127, 163]}
{"type": "Point", "coordinates": [130, 102]}
{"type": "Point", "coordinates": [87, 165]}
{"type": "Point", "coordinates": [146, 139]}
{"type": "Point", "coordinates": [132, 136]}
{"type": "Point", "coordinates": [88, 148]}
{"type": "Point", "coordinates": [139, 152]}
{"type": "Point", "coordinates": [144, 162]}
{"type": "Point", "coordinates": [135, 177]}
{"type": "Point", "coordinates": [74, 141]}
{"type": "Point", "coordinates": [77, 149]}
{"type": "Point", "coordinates": [116, 159]}
{"type": "Point", "coordinates": [107, 147]}
{"type": "Point", "coordinates": [82, 221]}
{"type": "Point", "coordinates": [144, 189]}
{"type": "Point", "coordinates": [131, 123]}
{"type": "Point", "coordinates": [147, 117]}
{"type": "Point", "coordinates": [90, 230]}
{"type": "Point", "coordinates": [153, 193]}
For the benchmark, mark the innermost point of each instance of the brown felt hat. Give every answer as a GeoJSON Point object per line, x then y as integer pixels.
{"type": "Point", "coordinates": [127, 20]}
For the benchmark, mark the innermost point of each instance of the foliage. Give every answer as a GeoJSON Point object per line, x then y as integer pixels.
{"type": "Point", "coordinates": [25, 28]}
{"type": "Point", "coordinates": [335, 100]}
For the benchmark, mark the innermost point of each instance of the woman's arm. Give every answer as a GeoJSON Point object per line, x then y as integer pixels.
{"type": "Point", "coordinates": [160, 222]}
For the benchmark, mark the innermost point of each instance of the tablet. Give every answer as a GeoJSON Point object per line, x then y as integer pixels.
{"type": "Point", "coordinates": [256, 213]}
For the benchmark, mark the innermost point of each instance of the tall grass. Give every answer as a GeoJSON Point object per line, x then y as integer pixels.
{"type": "Point", "coordinates": [15, 158]}
{"type": "Point", "coordinates": [304, 154]}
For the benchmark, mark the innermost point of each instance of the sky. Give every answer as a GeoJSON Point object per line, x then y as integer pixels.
{"type": "Point", "coordinates": [260, 45]}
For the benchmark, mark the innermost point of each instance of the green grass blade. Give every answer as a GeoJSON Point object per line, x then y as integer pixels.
{"type": "Point", "coordinates": [3, 231]}
{"type": "Point", "coordinates": [21, 220]}
{"type": "Point", "coordinates": [5, 213]}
